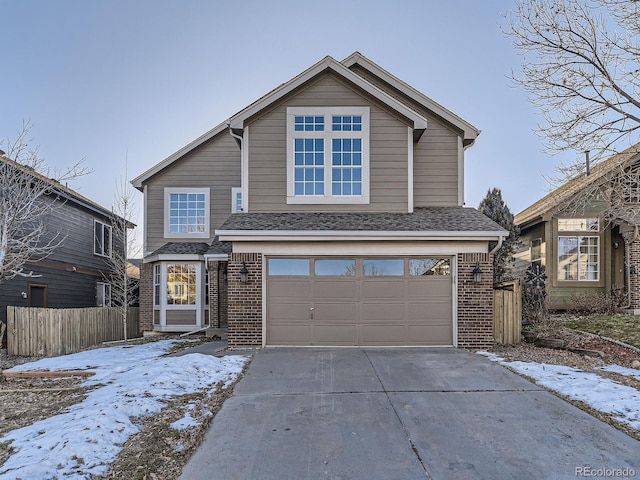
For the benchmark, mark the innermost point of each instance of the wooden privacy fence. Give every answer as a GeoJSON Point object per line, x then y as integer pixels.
{"type": "Point", "coordinates": [507, 312]}
{"type": "Point", "coordinates": [50, 332]}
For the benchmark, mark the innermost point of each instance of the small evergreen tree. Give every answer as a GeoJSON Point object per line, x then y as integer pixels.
{"type": "Point", "coordinates": [494, 207]}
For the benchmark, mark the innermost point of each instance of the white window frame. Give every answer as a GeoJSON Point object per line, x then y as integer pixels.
{"type": "Point", "coordinates": [102, 289]}
{"type": "Point", "coordinates": [103, 227]}
{"type": "Point", "coordinates": [579, 229]}
{"type": "Point", "coordinates": [328, 134]}
{"type": "Point", "coordinates": [207, 214]}
{"type": "Point", "coordinates": [235, 191]}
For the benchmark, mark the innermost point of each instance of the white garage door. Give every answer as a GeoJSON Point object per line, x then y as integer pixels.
{"type": "Point", "coordinates": [359, 301]}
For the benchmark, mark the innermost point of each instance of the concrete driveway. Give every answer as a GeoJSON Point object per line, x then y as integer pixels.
{"type": "Point", "coordinates": [350, 413]}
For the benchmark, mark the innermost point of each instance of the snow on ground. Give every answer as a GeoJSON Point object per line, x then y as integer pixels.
{"type": "Point", "coordinates": [600, 393]}
{"type": "Point", "coordinates": [133, 381]}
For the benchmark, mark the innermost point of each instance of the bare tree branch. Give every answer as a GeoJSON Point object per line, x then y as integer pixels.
{"type": "Point", "coordinates": [27, 197]}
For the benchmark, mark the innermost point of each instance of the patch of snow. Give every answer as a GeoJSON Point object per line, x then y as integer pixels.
{"type": "Point", "coordinates": [185, 422]}
{"type": "Point", "coordinates": [599, 393]}
{"type": "Point", "coordinates": [133, 381]}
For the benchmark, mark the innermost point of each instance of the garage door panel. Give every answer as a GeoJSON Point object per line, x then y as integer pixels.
{"type": "Point", "coordinates": [379, 312]}
{"type": "Point", "coordinates": [432, 288]}
{"type": "Point", "coordinates": [335, 289]}
{"type": "Point", "coordinates": [287, 334]}
{"type": "Point", "coordinates": [289, 311]}
{"type": "Point", "coordinates": [334, 335]}
{"type": "Point", "coordinates": [289, 288]}
{"type": "Point", "coordinates": [383, 289]}
{"type": "Point", "coordinates": [427, 311]}
{"type": "Point", "coordinates": [384, 334]}
{"type": "Point", "coordinates": [431, 334]}
{"type": "Point", "coordinates": [335, 312]}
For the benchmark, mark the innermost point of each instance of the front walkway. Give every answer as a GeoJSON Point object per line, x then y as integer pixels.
{"type": "Point", "coordinates": [351, 413]}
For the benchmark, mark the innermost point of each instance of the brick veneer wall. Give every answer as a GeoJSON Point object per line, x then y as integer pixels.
{"type": "Point", "coordinates": [475, 302]}
{"type": "Point", "coordinates": [218, 294]}
{"type": "Point", "coordinates": [245, 301]}
{"type": "Point", "coordinates": [146, 297]}
{"type": "Point", "coordinates": [634, 280]}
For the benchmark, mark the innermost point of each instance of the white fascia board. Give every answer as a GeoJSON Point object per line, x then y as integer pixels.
{"type": "Point", "coordinates": [216, 256]}
{"type": "Point", "coordinates": [237, 121]}
{"type": "Point", "coordinates": [186, 257]}
{"type": "Point", "coordinates": [328, 235]}
{"type": "Point", "coordinates": [470, 132]}
{"type": "Point", "coordinates": [137, 182]}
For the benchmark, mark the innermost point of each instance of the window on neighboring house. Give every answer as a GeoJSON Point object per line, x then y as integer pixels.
{"type": "Point", "coordinates": [236, 200]}
{"type": "Point", "coordinates": [328, 155]}
{"type": "Point", "coordinates": [535, 251]}
{"type": "Point", "coordinates": [578, 252]}
{"type": "Point", "coordinates": [181, 284]}
{"type": "Point", "coordinates": [103, 294]}
{"type": "Point", "coordinates": [631, 187]}
{"type": "Point", "coordinates": [156, 285]}
{"type": "Point", "coordinates": [186, 212]}
{"type": "Point", "coordinates": [101, 239]}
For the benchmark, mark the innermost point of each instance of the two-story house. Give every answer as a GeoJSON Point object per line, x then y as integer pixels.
{"type": "Point", "coordinates": [76, 273]}
{"type": "Point", "coordinates": [328, 212]}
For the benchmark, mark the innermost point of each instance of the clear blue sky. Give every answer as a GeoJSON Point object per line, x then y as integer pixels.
{"type": "Point", "coordinates": [115, 79]}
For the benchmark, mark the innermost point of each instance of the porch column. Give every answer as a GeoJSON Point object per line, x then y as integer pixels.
{"type": "Point", "coordinates": [213, 293]}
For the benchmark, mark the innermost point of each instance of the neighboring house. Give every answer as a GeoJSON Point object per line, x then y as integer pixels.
{"type": "Point", "coordinates": [328, 212]}
{"type": "Point", "coordinates": [585, 233]}
{"type": "Point", "coordinates": [75, 273]}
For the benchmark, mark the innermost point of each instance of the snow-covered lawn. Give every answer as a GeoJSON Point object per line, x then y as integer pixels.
{"type": "Point", "coordinates": [599, 393]}
{"type": "Point", "coordinates": [134, 381]}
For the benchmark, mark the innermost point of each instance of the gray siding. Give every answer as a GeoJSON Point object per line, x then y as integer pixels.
{"type": "Point", "coordinates": [216, 165]}
{"type": "Point", "coordinates": [388, 151]}
{"type": "Point", "coordinates": [435, 161]}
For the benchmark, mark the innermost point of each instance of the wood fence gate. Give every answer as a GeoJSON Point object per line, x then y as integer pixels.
{"type": "Point", "coordinates": [507, 312]}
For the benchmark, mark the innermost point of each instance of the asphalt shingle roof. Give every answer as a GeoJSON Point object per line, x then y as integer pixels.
{"type": "Point", "coordinates": [194, 248]}
{"type": "Point", "coordinates": [436, 219]}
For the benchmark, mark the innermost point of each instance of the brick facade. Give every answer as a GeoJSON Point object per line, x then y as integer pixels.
{"type": "Point", "coordinates": [475, 302]}
{"type": "Point", "coordinates": [245, 301]}
{"type": "Point", "coordinates": [633, 246]}
{"type": "Point", "coordinates": [218, 293]}
{"type": "Point", "coordinates": [146, 297]}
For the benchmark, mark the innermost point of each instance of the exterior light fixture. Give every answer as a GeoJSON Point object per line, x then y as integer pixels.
{"type": "Point", "coordinates": [244, 273]}
{"type": "Point", "coordinates": [477, 273]}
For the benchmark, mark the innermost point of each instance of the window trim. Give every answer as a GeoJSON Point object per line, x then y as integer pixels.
{"type": "Point", "coordinates": [207, 211]}
{"type": "Point", "coordinates": [328, 135]}
{"type": "Point", "coordinates": [103, 285]}
{"type": "Point", "coordinates": [95, 238]}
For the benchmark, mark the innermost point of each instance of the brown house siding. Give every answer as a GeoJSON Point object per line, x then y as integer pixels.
{"type": "Point", "coordinates": [214, 165]}
{"type": "Point", "coordinates": [268, 152]}
{"type": "Point", "coordinates": [245, 301]}
{"type": "Point", "coordinates": [475, 302]}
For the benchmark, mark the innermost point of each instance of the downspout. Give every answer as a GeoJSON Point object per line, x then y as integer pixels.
{"type": "Point", "coordinates": [237, 137]}
{"type": "Point", "coordinates": [497, 247]}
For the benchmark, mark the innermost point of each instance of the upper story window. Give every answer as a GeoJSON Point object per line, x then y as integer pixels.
{"type": "Point", "coordinates": [101, 239]}
{"type": "Point", "coordinates": [186, 213]}
{"type": "Point", "coordinates": [328, 155]}
{"type": "Point", "coordinates": [579, 249]}
{"type": "Point", "coordinates": [631, 187]}
{"type": "Point", "coordinates": [535, 251]}
{"type": "Point", "coordinates": [236, 200]}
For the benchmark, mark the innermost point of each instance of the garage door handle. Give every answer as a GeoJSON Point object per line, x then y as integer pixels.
{"type": "Point", "coordinates": [311, 309]}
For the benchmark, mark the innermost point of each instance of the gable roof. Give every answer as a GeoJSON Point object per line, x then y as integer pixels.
{"type": "Point", "coordinates": [432, 222]}
{"type": "Point", "coordinates": [566, 191]}
{"type": "Point", "coordinates": [59, 189]}
{"type": "Point", "coordinates": [470, 132]}
{"type": "Point", "coordinates": [342, 69]}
